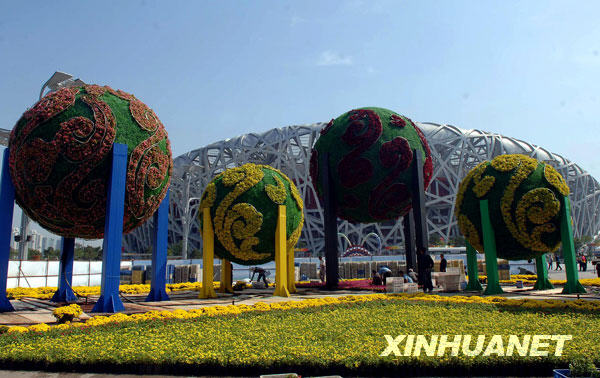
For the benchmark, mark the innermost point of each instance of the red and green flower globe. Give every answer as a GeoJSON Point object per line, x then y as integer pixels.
{"type": "Point", "coordinates": [524, 201]}
{"type": "Point", "coordinates": [244, 205]}
{"type": "Point", "coordinates": [61, 153]}
{"type": "Point", "coordinates": [370, 158]}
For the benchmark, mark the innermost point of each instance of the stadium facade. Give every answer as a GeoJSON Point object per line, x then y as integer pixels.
{"type": "Point", "coordinates": [455, 151]}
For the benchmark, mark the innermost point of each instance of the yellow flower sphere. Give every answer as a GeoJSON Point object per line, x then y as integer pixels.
{"type": "Point", "coordinates": [244, 204]}
{"type": "Point", "coordinates": [524, 197]}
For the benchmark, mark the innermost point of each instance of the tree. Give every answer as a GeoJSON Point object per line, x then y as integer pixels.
{"type": "Point", "coordinates": [51, 253]}
{"type": "Point", "coordinates": [175, 249]}
{"type": "Point", "coordinates": [88, 253]}
{"type": "Point", "coordinates": [34, 254]}
{"type": "Point", "coordinates": [581, 241]}
{"type": "Point", "coordinates": [458, 241]}
{"type": "Point", "coordinates": [435, 240]}
{"type": "Point", "coordinates": [196, 254]}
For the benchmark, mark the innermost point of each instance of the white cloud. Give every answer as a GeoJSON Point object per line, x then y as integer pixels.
{"type": "Point", "coordinates": [332, 58]}
{"type": "Point", "coordinates": [297, 20]}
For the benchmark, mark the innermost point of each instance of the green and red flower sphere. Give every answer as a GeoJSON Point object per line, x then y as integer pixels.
{"type": "Point", "coordinates": [524, 201]}
{"type": "Point", "coordinates": [61, 154]}
{"type": "Point", "coordinates": [244, 206]}
{"type": "Point", "coordinates": [370, 158]}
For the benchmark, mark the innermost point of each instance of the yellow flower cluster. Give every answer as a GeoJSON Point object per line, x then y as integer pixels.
{"type": "Point", "coordinates": [244, 178]}
{"type": "Point", "coordinates": [47, 292]}
{"type": "Point", "coordinates": [209, 196]}
{"type": "Point", "coordinates": [556, 180]}
{"type": "Point", "coordinates": [539, 206]}
{"type": "Point", "coordinates": [276, 193]}
{"type": "Point", "coordinates": [245, 228]}
{"type": "Point", "coordinates": [72, 311]}
{"type": "Point", "coordinates": [295, 235]}
{"type": "Point", "coordinates": [531, 278]}
{"type": "Point", "coordinates": [482, 185]}
{"type": "Point", "coordinates": [464, 184]}
{"type": "Point", "coordinates": [506, 163]}
{"type": "Point", "coordinates": [525, 166]}
{"type": "Point", "coordinates": [468, 229]}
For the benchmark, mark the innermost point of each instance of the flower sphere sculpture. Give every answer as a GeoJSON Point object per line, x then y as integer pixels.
{"type": "Point", "coordinates": [244, 204]}
{"type": "Point", "coordinates": [524, 199]}
{"type": "Point", "coordinates": [60, 159]}
{"type": "Point", "coordinates": [370, 156]}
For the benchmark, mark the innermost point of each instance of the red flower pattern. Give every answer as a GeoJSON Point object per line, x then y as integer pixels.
{"type": "Point", "coordinates": [397, 121]}
{"type": "Point", "coordinates": [76, 206]}
{"type": "Point", "coordinates": [428, 164]}
{"type": "Point", "coordinates": [362, 132]}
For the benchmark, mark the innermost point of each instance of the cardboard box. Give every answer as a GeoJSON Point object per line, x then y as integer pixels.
{"type": "Point", "coordinates": [137, 277]}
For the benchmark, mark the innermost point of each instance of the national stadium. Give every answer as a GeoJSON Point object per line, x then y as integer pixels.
{"type": "Point", "coordinates": [455, 151]}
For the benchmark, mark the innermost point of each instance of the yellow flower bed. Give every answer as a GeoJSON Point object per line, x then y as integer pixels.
{"type": "Point", "coordinates": [531, 278]}
{"type": "Point", "coordinates": [72, 311]}
{"type": "Point", "coordinates": [47, 292]}
{"type": "Point", "coordinates": [329, 335]}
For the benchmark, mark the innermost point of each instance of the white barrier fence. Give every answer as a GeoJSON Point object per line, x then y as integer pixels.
{"type": "Point", "coordinates": [45, 273]}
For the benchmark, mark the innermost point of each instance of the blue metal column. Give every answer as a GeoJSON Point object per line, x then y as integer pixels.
{"type": "Point", "coordinates": [64, 293]}
{"type": "Point", "coordinates": [159, 253]}
{"type": "Point", "coordinates": [109, 300]}
{"type": "Point", "coordinates": [7, 203]}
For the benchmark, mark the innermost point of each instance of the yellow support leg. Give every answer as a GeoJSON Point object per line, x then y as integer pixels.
{"type": "Point", "coordinates": [208, 242]}
{"type": "Point", "coordinates": [281, 277]}
{"type": "Point", "coordinates": [226, 277]}
{"type": "Point", "coordinates": [291, 271]}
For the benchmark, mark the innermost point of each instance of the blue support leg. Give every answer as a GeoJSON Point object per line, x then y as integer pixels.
{"type": "Point", "coordinates": [64, 293]}
{"type": "Point", "coordinates": [7, 202]}
{"type": "Point", "coordinates": [159, 253]}
{"type": "Point", "coordinates": [109, 300]}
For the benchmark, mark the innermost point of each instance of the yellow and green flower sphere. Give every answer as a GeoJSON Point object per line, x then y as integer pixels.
{"type": "Point", "coordinates": [244, 205]}
{"type": "Point", "coordinates": [370, 158]}
{"type": "Point", "coordinates": [61, 154]}
{"type": "Point", "coordinates": [524, 200]}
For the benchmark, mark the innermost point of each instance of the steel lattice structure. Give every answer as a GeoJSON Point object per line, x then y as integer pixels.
{"type": "Point", "coordinates": [455, 151]}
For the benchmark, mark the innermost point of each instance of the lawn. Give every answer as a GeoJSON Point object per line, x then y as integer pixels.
{"type": "Point", "coordinates": [345, 338]}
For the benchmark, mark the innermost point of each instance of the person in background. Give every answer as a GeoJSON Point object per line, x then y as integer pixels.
{"type": "Point", "coordinates": [261, 274]}
{"type": "Point", "coordinates": [413, 275]}
{"type": "Point", "coordinates": [406, 277]}
{"type": "Point", "coordinates": [443, 263]}
{"type": "Point", "coordinates": [425, 265]}
{"type": "Point", "coordinates": [549, 258]}
{"type": "Point", "coordinates": [385, 272]}
{"type": "Point", "coordinates": [584, 262]}
{"type": "Point", "coordinates": [377, 280]}
{"type": "Point", "coordinates": [579, 263]}
{"type": "Point", "coordinates": [322, 269]}
{"type": "Point", "coordinates": [558, 267]}
{"type": "Point", "coordinates": [598, 269]}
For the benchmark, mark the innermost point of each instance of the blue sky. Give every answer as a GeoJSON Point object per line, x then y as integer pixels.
{"type": "Point", "coordinates": [212, 70]}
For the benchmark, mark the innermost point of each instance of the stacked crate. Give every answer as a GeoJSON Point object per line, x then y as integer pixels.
{"type": "Point", "coordinates": [195, 273]}
{"type": "Point", "coordinates": [125, 277]}
{"type": "Point", "coordinates": [138, 274]}
{"type": "Point", "coordinates": [170, 273]}
{"type": "Point", "coordinates": [342, 270]}
{"type": "Point", "coordinates": [503, 269]}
